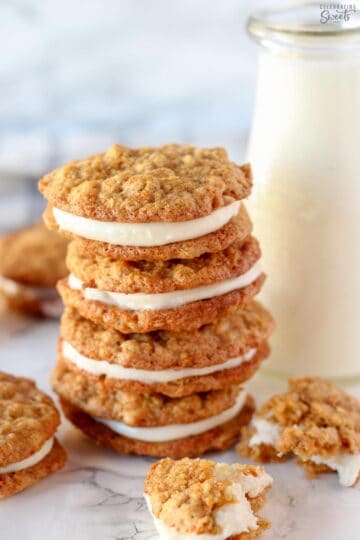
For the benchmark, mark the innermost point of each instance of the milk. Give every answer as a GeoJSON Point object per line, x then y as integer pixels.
{"type": "Point", "coordinates": [305, 153]}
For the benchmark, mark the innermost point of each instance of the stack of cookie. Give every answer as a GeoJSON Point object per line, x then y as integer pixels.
{"type": "Point", "coordinates": [160, 330]}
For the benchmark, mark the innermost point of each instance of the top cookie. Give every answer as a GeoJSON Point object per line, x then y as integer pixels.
{"type": "Point", "coordinates": [172, 183]}
{"type": "Point", "coordinates": [28, 418]}
{"type": "Point", "coordinates": [33, 256]}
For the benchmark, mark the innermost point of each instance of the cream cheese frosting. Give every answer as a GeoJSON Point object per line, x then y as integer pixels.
{"type": "Point", "coordinates": [167, 300]}
{"type": "Point", "coordinates": [144, 234]}
{"type": "Point", "coordinates": [173, 432]}
{"type": "Point", "coordinates": [115, 371]}
{"type": "Point", "coordinates": [232, 519]}
{"type": "Point", "coordinates": [266, 432]}
{"type": "Point", "coordinates": [346, 465]}
{"type": "Point", "coordinates": [29, 461]}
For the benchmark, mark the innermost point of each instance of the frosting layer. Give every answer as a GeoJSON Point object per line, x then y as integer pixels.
{"type": "Point", "coordinates": [29, 461]}
{"type": "Point", "coordinates": [167, 300]}
{"type": "Point", "coordinates": [101, 367]}
{"type": "Point", "coordinates": [144, 234]}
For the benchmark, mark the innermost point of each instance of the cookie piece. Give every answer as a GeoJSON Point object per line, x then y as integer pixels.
{"type": "Point", "coordinates": [147, 410]}
{"type": "Point", "coordinates": [28, 422]}
{"type": "Point", "coordinates": [219, 438]}
{"type": "Point", "coordinates": [231, 336]}
{"type": "Point", "coordinates": [172, 383]}
{"type": "Point", "coordinates": [171, 183]}
{"type": "Point", "coordinates": [235, 230]}
{"type": "Point", "coordinates": [193, 497]}
{"type": "Point", "coordinates": [314, 421]}
{"type": "Point", "coordinates": [188, 316]}
{"type": "Point", "coordinates": [32, 260]}
{"type": "Point", "coordinates": [156, 277]}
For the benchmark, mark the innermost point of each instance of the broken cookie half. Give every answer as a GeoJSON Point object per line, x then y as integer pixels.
{"type": "Point", "coordinates": [316, 422]}
{"type": "Point", "coordinates": [203, 500]}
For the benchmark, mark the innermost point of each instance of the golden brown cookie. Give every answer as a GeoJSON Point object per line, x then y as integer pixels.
{"type": "Point", "coordinates": [15, 482]}
{"type": "Point", "coordinates": [229, 337]}
{"type": "Point", "coordinates": [314, 421]}
{"type": "Point", "coordinates": [167, 184]}
{"type": "Point", "coordinates": [154, 277]}
{"type": "Point", "coordinates": [236, 230]}
{"type": "Point", "coordinates": [32, 260]}
{"type": "Point", "coordinates": [186, 317]}
{"type": "Point", "coordinates": [200, 497]}
{"type": "Point", "coordinates": [180, 387]}
{"type": "Point", "coordinates": [134, 409]}
{"type": "Point", "coordinates": [218, 438]}
{"type": "Point", "coordinates": [28, 422]}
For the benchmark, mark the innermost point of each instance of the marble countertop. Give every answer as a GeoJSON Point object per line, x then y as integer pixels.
{"type": "Point", "coordinates": [99, 494]}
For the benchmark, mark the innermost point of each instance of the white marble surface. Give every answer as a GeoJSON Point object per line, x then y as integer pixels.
{"type": "Point", "coordinates": [98, 496]}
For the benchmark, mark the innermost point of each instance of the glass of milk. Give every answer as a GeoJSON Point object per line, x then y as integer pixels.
{"type": "Point", "coordinates": [305, 152]}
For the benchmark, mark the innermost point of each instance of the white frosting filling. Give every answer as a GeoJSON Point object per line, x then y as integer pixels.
{"type": "Point", "coordinates": [145, 234]}
{"type": "Point", "coordinates": [266, 432]}
{"type": "Point", "coordinates": [29, 461]}
{"type": "Point", "coordinates": [167, 300]}
{"type": "Point", "coordinates": [102, 367]}
{"type": "Point", "coordinates": [175, 431]}
{"type": "Point", "coordinates": [346, 465]}
{"type": "Point", "coordinates": [233, 518]}
{"type": "Point", "coordinates": [13, 288]}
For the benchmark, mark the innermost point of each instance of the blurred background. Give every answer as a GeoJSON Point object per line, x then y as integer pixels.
{"type": "Point", "coordinates": [77, 76]}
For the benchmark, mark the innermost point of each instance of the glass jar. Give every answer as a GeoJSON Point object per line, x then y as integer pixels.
{"type": "Point", "coordinates": [305, 152]}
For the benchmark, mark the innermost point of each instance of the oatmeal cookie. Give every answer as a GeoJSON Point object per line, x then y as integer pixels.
{"type": "Point", "coordinates": [171, 183]}
{"type": "Point", "coordinates": [32, 260]}
{"type": "Point", "coordinates": [28, 422]}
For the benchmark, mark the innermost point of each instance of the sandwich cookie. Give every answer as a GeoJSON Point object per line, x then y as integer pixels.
{"type": "Point", "coordinates": [194, 499]}
{"type": "Point", "coordinates": [32, 260]}
{"type": "Point", "coordinates": [174, 295]}
{"type": "Point", "coordinates": [211, 434]}
{"type": "Point", "coordinates": [29, 450]}
{"type": "Point", "coordinates": [314, 421]}
{"type": "Point", "coordinates": [172, 363]}
{"type": "Point", "coordinates": [152, 424]}
{"type": "Point", "coordinates": [130, 201]}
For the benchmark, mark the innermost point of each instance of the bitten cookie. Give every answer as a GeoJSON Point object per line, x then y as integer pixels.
{"type": "Point", "coordinates": [32, 260]}
{"type": "Point", "coordinates": [150, 203]}
{"type": "Point", "coordinates": [314, 421]}
{"type": "Point", "coordinates": [29, 450]}
{"type": "Point", "coordinates": [172, 363]}
{"type": "Point", "coordinates": [195, 497]}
